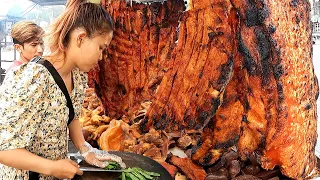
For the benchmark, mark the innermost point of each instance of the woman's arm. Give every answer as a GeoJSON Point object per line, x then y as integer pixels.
{"type": "Point", "coordinates": [23, 159]}
{"type": "Point", "coordinates": [75, 133]}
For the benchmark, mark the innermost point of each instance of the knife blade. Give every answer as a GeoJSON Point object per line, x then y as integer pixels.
{"type": "Point", "coordinates": [98, 169]}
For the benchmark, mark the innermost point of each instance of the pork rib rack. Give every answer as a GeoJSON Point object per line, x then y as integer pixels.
{"type": "Point", "coordinates": [139, 54]}
{"type": "Point", "coordinates": [241, 73]}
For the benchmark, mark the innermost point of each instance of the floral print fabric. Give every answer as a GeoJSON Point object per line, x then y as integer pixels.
{"type": "Point", "coordinates": [34, 114]}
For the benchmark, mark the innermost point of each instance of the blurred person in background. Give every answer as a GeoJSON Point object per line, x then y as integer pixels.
{"type": "Point", "coordinates": [27, 40]}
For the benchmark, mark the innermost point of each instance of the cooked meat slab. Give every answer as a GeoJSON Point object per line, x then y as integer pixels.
{"type": "Point", "coordinates": [238, 72]}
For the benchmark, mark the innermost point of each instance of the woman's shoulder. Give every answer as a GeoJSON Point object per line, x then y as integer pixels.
{"type": "Point", "coordinates": [27, 73]}
{"type": "Point", "coordinates": [28, 68]}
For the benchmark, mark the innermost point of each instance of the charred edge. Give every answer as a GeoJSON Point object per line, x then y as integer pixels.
{"type": "Point", "coordinates": [256, 16]}
{"type": "Point", "coordinates": [210, 125]}
{"type": "Point", "coordinates": [229, 100]}
{"type": "Point", "coordinates": [250, 91]}
{"type": "Point", "coordinates": [180, 127]}
{"type": "Point", "coordinates": [215, 104]}
{"type": "Point", "coordinates": [263, 141]}
{"type": "Point", "coordinates": [121, 89]}
{"type": "Point", "coordinates": [225, 95]}
{"type": "Point", "coordinates": [278, 71]}
{"type": "Point", "coordinates": [196, 147]}
{"type": "Point", "coordinates": [245, 119]}
{"type": "Point", "coordinates": [175, 14]}
{"type": "Point", "coordinates": [174, 77]}
{"type": "Point", "coordinates": [307, 9]}
{"type": "Point", "coordinates": [117, 24]}
{"type": "Point", "coordinates": [294, 3]}
{"type": "Point", "coordinates": [143, 126]}
{"type": "Point", "coordinates": [151, 58]}
{"type": "Point", "coordinates": [155, 10]}
{"type": "Point", "coordinates": [198, 108]}
{"type": "Point", "coordinates": [280, 92]}
{"type": "Point", "coordinates": [226, 70]}
{"type": "Point", "coordinates": [201, 74]}
{"type": "Point", "coordinates": [222, 117]}
{"type": "Point", "coordinates": [317, 86]}
{"type": "Point", "coordinates": [191, 123]}
{"type": "Point", "coordinates": [177, 10]}
{"type": "Point", "coordinates": [298, 19]}
{"type": "Point", "coordinates": [228, 143]}
{"type": "Point", "coordinates": [154, 86]}
{"type": "Point", "coordinates": [249, 63]}
{"type": "Point", "coordinates": [144, 17]}
{"type": "Point", "coordinates": [272, 29]}
{"type": "Point", "coordinates": [212, 35]}
{"type": "Point", "coordinates": [202, 117]}
{"type": "Point", "coordinates": [207, 160]}
{"type": "Point", "coordinates": [166, 124]}
{"type": "Point", "coordinates": [164, 24]}
{"type": "Point", "coordinates": [160, 125]}
{"type": "Point", "coordinates": [246, 105]}
{"type": "Point", "coordinates": [307, 106]}
{"type": "Point", "coordinates": [166, 11]}
{"type": "Point", "coordinates": [198, 126]}
{"type": "Point", "coordinates": [264, 49]}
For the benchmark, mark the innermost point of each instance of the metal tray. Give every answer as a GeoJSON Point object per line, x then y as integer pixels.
{"type": "Point", "coordinates": [131, 160]}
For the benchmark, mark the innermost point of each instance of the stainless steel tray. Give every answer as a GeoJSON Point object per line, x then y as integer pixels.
{"type": "Point", "coordinates": [131, 160]}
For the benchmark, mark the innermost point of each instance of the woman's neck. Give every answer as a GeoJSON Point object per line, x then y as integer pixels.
{"type": "Point", "coordinates": [63, 65]}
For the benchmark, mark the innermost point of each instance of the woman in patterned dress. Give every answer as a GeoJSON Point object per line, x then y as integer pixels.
{"type": "Point", "coordinates": [33, 108]}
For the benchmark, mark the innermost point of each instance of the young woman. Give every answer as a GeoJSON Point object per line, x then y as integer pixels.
{"type": "Point", "coordinates": [34, 110]}
{"type": "Point", "coordinates": [27, 40]}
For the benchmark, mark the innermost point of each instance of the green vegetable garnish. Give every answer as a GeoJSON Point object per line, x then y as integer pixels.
{"type": "Point", "coordinates": [136, 173]}
{"type": "Point", "coordinates": [113, 166]}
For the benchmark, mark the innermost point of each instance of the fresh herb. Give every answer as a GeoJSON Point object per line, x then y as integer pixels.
{"type": "Point", "coordinates": [136, 173]}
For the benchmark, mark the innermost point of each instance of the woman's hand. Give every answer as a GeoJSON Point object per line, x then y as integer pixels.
{"type": "Point", "coordinates": [98, 157]}
{"type": "Point", "coordinates": [65, 168]}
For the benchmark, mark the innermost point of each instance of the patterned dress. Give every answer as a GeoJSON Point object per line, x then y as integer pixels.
{"type": "Point", "coordinates": [34, 114]}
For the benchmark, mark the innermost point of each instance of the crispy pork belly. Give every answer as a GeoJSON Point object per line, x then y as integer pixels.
{"type": "Point", "coordinates": [170, 168]}
{"type": "Point", "coordinates": [190, 169]}
{"type": "Point", "coordinates": [239, 73]}
{"type": "Point", "coordinates": [291, 138]}
{"type": "Point", "coordinates": [191, 92]}
{"type": "Point", "coordinates": [282, 88]}
{"type": "Point", "coordinates": [137, 57]}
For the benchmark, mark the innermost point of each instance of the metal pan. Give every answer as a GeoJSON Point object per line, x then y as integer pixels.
{"type": "Point", "coordinates": [131, 160]}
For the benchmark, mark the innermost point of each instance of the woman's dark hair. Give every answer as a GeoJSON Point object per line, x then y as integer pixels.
{"type": "Point", "coordinates": [78, 14]}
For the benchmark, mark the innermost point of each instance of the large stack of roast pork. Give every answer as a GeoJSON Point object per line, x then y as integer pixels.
{"type": "Point", "coordinates": [212, 89]}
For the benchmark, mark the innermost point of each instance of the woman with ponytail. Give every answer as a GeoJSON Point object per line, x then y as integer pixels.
{"type": "Point", "coordinates": [42, 99]}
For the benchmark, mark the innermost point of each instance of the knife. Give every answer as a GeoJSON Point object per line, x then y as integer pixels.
{"type": "Point", "coordinates": [85, 168]}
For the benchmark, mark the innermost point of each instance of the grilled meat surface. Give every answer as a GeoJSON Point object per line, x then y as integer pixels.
{"type": "Point", "coordinates": [238, 71]}
{"type": "Point", "coordinates": [137, 57]}
{"type": "Point", "coordinates": [202, 64]}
